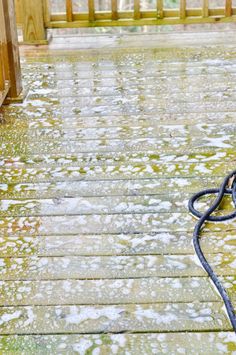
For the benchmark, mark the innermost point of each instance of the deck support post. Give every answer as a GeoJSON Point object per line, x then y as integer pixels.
{"type": "Point", "coordinates": [12, 57]}
{"type": "Point", "coordinates": [34, 13]}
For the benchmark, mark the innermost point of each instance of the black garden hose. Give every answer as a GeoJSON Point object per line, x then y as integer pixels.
{"type": "Point", "coordinates": [228, 187]}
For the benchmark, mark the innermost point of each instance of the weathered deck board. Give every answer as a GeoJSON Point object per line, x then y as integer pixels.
{"type": "Point", "coordinates": [115, 158]}
{"type": "Point", "coordinates": [107, 224]}
{"type": "Point", "coordinates": [97, 166]}
{"type": "Point", "coordinates": [157, 130]}
{"type": "Point", "coordinates": [210, 343]}
{"type": "Point", "coordinates": [90, 292]}
{"type": "Point", "coordinates": [160, 203]}
{"type": "Point", "coordinates": [114, 172]}
{"type": "Point", "coordinates": [113, 319]}
{"type": "Point", "coordinates": [119, 187]}
{"type": "Point", "coordinates": [43, 119]}
{"type": "Point", "coordinates": [120, 267]}
{"type": "Point", "coordinates": [113, 244]}
{"type": "Point", "coordinates": [96, 224]}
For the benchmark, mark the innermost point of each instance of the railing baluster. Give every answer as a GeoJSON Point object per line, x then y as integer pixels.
{"type": "Point", "coordinates": [182, 9]}
{"type": "Point", "coordinates": [91, 9]}
{"type": "Point", "coordinates": [137, 9]}
{"type": "Point", "coordinates": [159, 8]}
{"type": "Point", "coordinates": [228, 8]}
{"type": "Point", "coordinates": [69, 10]}
{"type": "Point", "coordinates": [179, 15]}
{"type": "Point", "coordinates": [114, 10]}
{"type": "Point", "coordinates": [205, 8]}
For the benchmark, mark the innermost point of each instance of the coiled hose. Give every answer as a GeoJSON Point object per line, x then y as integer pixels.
{"type": "Point", "coordinates": [227, 187]}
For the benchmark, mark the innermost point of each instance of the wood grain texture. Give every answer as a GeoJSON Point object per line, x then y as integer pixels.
{"type": "Point", "coordinates": [104, 292]}
{"type": "Point", "coordinates": [132, 343]}
{"type": "Point", "coordinates": [160, 9]}
{"type": "Point", "coordinates": [114, 9]}
{"type": "Point", "coordinates": [228, 8]}
{"type": "Point", "coordinates": [205, 8]}
{"type": "Point", "coordinates": [69, 10]}
{"type": "Point", "coordinates": [137, 14]}
{"type": "Point", "coordinates": [91, 10]}
{"type": "Point", "coordinates": [113, 319]}
{"type": "Point", "coordinates": [182, 9]}
{"type": "Point", "coordinates": [33, 25]}
{"type": "Point", "coordinates": [2, 54]}
{"type": "Point", "coordinates": [13, 57]}
{"type": "Point", "coordinates": [138, 17]}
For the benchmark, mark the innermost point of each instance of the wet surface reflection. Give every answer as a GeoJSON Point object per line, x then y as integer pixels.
{"type": "Point", "coordinates": [97, 166]}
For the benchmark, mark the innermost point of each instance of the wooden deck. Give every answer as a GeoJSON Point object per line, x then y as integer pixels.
{"type": "Point", "coordinates": [97, 167]}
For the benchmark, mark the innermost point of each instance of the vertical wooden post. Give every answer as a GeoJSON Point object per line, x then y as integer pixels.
{"type": "Point", "coordinates": [137, 14]}
{"type": "Point", "coordinates": [228, 8]}
{"type": "Point", "coordinates": [46, 12]}
{"type": "Point", "coordinates": [2, 77]}
{"type": "Point", "coordinates": [3, 48]}
{"type": "Point", "coordinates": [2, 43]}
{"type": "Point", "coordinates": [205, 8]}
{"type": "Point", "coordinates": [69, 10]}
{"type": "Point", "coordinates": [159, 8]}
{"type": "Point", "coordinates": [19, 13]}
{"type": "Point", "coordinates": [34, 31]}
{"type": "Point", "coordinates": [114, 10]}
{"type": "Point", "coordinates": [182, 9]}
{"type": "Point", "coordinates": [13, 59]}
{"type": "Point", "coordinates": [91, 10]}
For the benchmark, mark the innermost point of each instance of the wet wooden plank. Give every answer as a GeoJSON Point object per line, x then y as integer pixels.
{"type": "Point", "coordinates": [132, 187]}
{"type": "Point", "coordinates": [115, 319]}
{"type": "Point", "coordinates": [104, 292]}
{"type": "Point", "coordinates": [152, 107]}
{"type": "Point", "coordinates": [39, 120]}
{"type": "Point", "coordinates": [107, 223]}
{"type": "Point", "coordinates": [151, 60]}
{"type": "Point", "coordinates": [177, 243]}
{"type": "Point", "coordinates": [133, 106]}
{"type": "Point", "coordinates": [107, 87]}
{"type": "Point", "coordinates": [78, 67]}
{"type": "Point", "coordinates": [99, 205]}
{"type": "Point", "coordinates": [210, 343]}
{"type": "Point", "coordinates": [115, 158]}
{"type": "Point", "coordinates": [114, 172]}
{"type": "Point", "coordinates": [190, 77]}
{"type": "Point", "coordinates": [167, 143]}
{"type": "Point", "coordinates": [119, 267]}
{"type": "Point", "coordinates": [198, 43]}
{"type": "Point", "coordinates": [161, 203]}
{"type": "Point", "coordinates": [146, 129]}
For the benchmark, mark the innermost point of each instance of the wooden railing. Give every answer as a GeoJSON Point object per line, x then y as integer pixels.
{"type": "Point", "coordinates": [36, 15]}
{"type": "Point", "coordinates": [10, 73]}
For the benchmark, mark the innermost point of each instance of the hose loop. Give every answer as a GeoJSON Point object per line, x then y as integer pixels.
{"type": "Point", "coordinates": [227, 187]}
